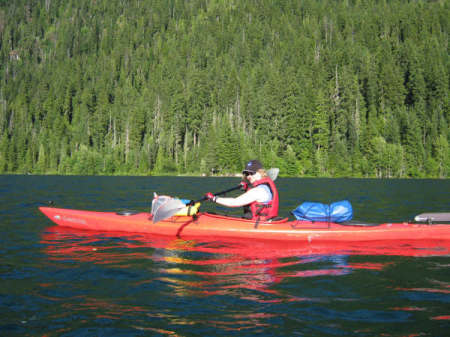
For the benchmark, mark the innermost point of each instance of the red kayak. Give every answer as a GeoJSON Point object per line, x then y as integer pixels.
{"type": "Point", "coordinates": [219, 226]}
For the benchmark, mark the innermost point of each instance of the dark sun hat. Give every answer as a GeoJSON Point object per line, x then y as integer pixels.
{"type": "Point", "coordinates": [252, 166]}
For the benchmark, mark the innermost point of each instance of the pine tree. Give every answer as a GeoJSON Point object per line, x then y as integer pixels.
{"type": "Point", "coordinates": [320, 122]}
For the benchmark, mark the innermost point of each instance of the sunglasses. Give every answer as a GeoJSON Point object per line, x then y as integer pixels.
{"type": "Point", "coordinates": [247, 174]}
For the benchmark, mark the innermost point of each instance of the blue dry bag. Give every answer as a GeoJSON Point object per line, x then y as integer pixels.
{"type": "Point", "coordinates": [339, 211]}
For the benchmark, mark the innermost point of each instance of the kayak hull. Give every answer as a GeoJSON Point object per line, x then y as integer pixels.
{"type": "Point", "coordinates": [218, 226]}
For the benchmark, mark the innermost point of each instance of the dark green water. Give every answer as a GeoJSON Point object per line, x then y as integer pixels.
{"type": "Point", "coordinates": [61, 282]}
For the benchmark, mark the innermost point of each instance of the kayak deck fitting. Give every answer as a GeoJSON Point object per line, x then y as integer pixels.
{"type": "Point", "coordinates": [220, 226]}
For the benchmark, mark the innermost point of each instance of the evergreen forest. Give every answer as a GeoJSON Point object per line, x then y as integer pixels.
{"type": "Point", "coordinates": [322, 88]}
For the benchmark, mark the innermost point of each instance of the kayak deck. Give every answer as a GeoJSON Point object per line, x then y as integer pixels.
{"type": "Point", "coordinates": [212, 225]}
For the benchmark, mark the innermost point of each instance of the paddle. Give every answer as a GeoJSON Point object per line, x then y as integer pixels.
{"type": "Point", "coordinates": [173, 206]}
{"type": "Point", "coordinates": [271, 173]}
{"type": "Point", "coordinates": [432, 217]}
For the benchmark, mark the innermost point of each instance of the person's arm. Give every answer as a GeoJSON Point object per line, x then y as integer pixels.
{"type": "Point", "coordinates": [242, 200]}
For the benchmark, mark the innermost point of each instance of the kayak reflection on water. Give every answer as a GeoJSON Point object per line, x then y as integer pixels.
{"type": "Point", "coordinates": [224, 267]}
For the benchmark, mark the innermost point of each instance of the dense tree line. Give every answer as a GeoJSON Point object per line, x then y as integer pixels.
{"type": "Point", "coordinates": [319, 88]}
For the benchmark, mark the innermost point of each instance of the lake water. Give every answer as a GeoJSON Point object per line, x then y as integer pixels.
{"type": "Point", "coordinates": [62, 282]}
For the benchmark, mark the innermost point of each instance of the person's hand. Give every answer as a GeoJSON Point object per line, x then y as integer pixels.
{"type": "Point", "coordinates": [210, 197]}
{"type": "Point", "coordinates": [244, 186]}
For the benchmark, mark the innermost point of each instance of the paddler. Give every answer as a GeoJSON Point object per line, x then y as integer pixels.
{"type": "Point", "coordinates": [261, 195]}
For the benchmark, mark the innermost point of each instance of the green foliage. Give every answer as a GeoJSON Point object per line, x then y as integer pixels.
{"type": "Point", "coordinates": [317, 88]}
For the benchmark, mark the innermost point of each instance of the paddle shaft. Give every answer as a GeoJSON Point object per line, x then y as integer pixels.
{"type": "Point", "coordinates": [220, 193]}
{"type": "Point", "coordinates": [272, 173]}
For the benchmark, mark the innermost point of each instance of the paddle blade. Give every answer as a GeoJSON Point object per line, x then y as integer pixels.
{"type": "Point", "coordinates": [432, 217]}
{"type": "Point", "coordinates": [273, 173]}
{"type": "Point", "coordinates": [164, 207]}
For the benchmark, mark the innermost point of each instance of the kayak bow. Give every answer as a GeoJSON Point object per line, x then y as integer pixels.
{"type": "Point", "coordinates": [219, 226]}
